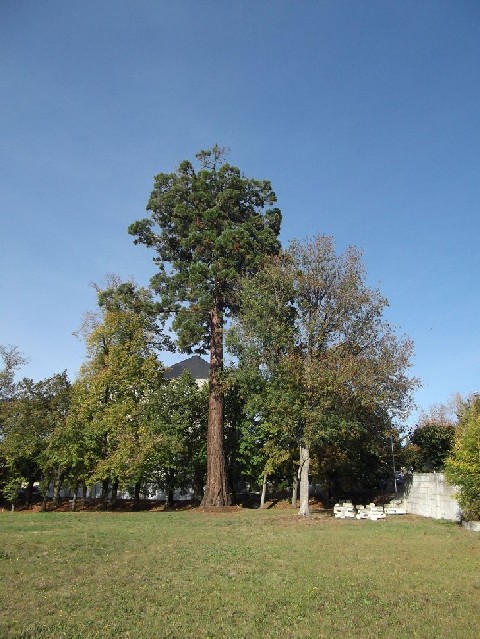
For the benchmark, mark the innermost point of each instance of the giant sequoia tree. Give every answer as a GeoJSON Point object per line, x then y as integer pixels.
{"type": "Point", "coordinates": [208, 226]}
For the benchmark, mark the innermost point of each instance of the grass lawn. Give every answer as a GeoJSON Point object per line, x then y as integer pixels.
{"type": "Point", "coordinates": [243, 573]}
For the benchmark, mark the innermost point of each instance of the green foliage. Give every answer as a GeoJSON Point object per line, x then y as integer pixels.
{"type": "Point", "coordinates": [262, 339]}
{"type": "Point", "coordinates": [356, 461]}
{"type": "Point", "coordinates": [106, 438]}
{"type": "Point", "coordinates": [463, 467]}
{"type": "Point", "coordinates": [431, 441]}
{"type": "Point", "coordinates": [430, 445]}
{"type": "Point", "coordinates": [255, 445]}
{"type": "Point", "coordinates": [12, 360]}
{"type": "Point", "coordinates": [127, 425]}
{"type": "Point", "coordinates": [32, 419]}
{"type": "Point", "coordinates": [208, 226]}
{"type": "Point", "coordinates": [176, 416]}
{"type": "Point", "coordinates": [330, 363]}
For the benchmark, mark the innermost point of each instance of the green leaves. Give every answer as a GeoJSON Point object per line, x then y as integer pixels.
{"type": "Point", "coordinates": [32, 419]}
{"type": "Point", "coordinates": [314, 332]}
{"type": "Point", "coordinates": [463, 467]}
{"type": "Point", "coordinates": [207, 227]}
{"type": "Point", "coordinates": [121, 371]}
{"type": "Point", "coordinates": [431, 444]}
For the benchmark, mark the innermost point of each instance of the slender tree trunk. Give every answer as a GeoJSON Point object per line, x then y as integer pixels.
{"type": "Point", "coordinates": [303, 472]}
{"type": "Point", "coordinates": [28, 493]}
{"type": "Point", "coordinates": [295, 490]}
{"type": "Point", "coordinates": [57, 485]}
{"type": "Point", "coordinates": [216, 490]}
{"type": "Point", "coordinates": [170, 483]}
{"type": "Point", "coordinates": [104, 493]}
{"type": "Point", "coordinates": [136, 496]}
{"type": "Point", "coordinates": [168, 497]}
{"type": "Point", "coordinates": [74, 500]}
{"type": "Point", "coordinates": [113, 500]}
{"type": "Point", "coordinates": [264, 491]}
{"type": "Point", "coordinates": [232, 495]}
{"type": "Point", "coordinates": [197, 485]}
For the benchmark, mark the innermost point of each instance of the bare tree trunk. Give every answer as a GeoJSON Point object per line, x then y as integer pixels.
{"type": "Point", "coordinates": [216, 490]}
{"type": "Point", "coordinates": [295, 490]}
{"type": "Point", "coordinates": [264, 491]}
{"type": "Point", "coordinates": [303, 472]}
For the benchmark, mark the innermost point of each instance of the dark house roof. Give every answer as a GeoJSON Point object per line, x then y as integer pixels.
{"type": "Point", "coordinates": [196, 366]}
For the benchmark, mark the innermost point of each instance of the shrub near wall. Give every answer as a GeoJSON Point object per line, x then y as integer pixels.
{"type": "Point", "coordinates": [463, 467]}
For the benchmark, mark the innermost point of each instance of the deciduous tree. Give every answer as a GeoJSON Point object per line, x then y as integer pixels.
{"type": "Point", "coordinates": [121, 371]}
{"type": "Point", "coordinates": [463, 467]}
{"type": "Point", "coordinates": [37, 411]}
{"type": "Point", "coordinates": [431, 440]}
{"type": "Point", "coordinates": [176, 415]}
{"type": "Point", "coordinates": [322, 343]}
{"type": "Point", "coordinates": [12, 359]}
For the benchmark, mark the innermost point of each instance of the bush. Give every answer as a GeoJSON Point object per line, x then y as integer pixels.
{"type": "Point", "coordinates": [463, 467]}
{"type": "Point", "coordinates": [431, 444]}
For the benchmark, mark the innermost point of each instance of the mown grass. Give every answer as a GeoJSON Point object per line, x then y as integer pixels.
{"type": "Point", "coordinates": [240, 574]}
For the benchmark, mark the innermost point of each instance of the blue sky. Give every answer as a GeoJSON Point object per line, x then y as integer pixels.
{"type": "Point", "coordinates": [364, 116]}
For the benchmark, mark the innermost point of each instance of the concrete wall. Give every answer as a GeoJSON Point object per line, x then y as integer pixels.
{"type": "Point", "coordinates": [429, 495]}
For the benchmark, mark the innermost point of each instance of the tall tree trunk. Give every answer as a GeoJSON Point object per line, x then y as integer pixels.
{"type": "Point", "coordinates": [295, 490]}
{"type": "Point", "coordinates": [170, 483]}
{"type": "Point", "coordinates": [74, 500]}
{"type": "Point", "coordinates": [28, 493]}
{"type": "Point", "coordinates": [216, 490]}
{"type": "Point", "coordinates": [136, 496]}
{"type": "Point", "coordinates": [57, 485]}
{"type": "Point", "coordinates": [303, 472]}
{"type": "Point", "coordinates": [264, 491]}
{"type": "Point", "coordinates": [168, 497]}
{"type": "Point", "coordinates": [113, 500]}
{"type": "Point", "coordinates": [104, 493]}
{"type": "Point", "coordinates": [197, 485]}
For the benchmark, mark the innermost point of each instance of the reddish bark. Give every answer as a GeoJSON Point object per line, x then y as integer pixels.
{"type": "Point", "coordinates": [216, 488]}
